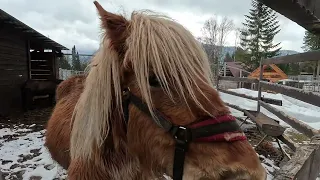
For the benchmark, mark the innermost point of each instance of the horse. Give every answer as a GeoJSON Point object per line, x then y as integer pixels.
{"type": "Point", "coordinates": [147, 107]}
{"type": "Point", "coordinates": [33, 88]}
{"type": "Point", "coordinates": [58, 128]}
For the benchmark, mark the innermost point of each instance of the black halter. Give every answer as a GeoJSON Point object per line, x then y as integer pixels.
{"type": "Point", "coordinates": [181, 134]}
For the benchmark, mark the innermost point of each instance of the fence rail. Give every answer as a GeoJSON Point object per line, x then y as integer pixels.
{"type": "Point", "coordinates": [66, 73]}
{"type": "Point", "coordinates": [238, 79]}
{"type": "Point", "coordinates": [308, 97]}
{"type": "Point", "coordinates": [294, 58]}
{"type": "Point", "coordinates": [297, 167]}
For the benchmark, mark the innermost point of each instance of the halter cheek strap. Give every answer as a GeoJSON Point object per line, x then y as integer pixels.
{"type": "Point", "coordinates": [223, 128]}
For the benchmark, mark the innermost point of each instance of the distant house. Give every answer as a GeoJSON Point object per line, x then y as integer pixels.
{"type": "Point", "coordinates": [25, 55]}
{"type": "Point", "coordinates": [271, 73]}
{"type": "Point", "coordinates": [234, 69]}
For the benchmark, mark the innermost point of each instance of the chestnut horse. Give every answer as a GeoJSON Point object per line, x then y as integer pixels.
{"type": "Point", "coordinates": [147, 107]}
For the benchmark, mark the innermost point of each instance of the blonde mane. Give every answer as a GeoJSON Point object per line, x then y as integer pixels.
{"type": "Point", "coordinates": [155, 42]}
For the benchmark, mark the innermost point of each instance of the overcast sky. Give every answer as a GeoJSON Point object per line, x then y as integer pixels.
{"type": "Point", "coordinates": [75, 22]}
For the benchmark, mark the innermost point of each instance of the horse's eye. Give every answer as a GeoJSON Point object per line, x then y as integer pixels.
{"type": "Point", "coordinates": [153, 81]}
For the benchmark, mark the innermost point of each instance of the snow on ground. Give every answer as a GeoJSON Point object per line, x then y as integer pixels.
{"type": "Point", "coordinates": [23, 155]}
{"type": "Point", "coordinates": [300, 110]}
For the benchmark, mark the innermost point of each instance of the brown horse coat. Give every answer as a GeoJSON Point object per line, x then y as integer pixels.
{"type": "Point", "coordinates": [59, 127]}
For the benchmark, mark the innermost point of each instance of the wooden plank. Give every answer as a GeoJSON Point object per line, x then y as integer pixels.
{"type": "Point", "coordinates": [13, 67]}
{"type": "Point", "coordinates": [13, 52]}
{"type": "Point", "coordinates": [11, 46]}
{"type": "Point", "coordinates": [288, 142]}
{"type": "Point", "coordinates": [41, 56]}
{"type": "Point", "coordinates": [304, 165]}
{"type": "Point", "coordinates": [40, 66]}
{"type": "Point", "coordinates": [33, 76]}
{"type": "Point", "coordinates": [13, 72]}
{"type": "Point", "coordinates": [308, 97]}
{"type": "Point", "coordinates": [250, 114]}
{"type": "Point", "coordinates": [311, 168]}
{"type": "Point", "coordinates": [37, 62]}
{"type": "Point", "coordinates": [296, 124]}
{"type": "Point", "coordinates": [271, 101]}
{"type": "Point", "coordinates": [41, 72]}
{"type": "Point", "coordinates": [11, 57]}
{"type": "Point", "coordinates": [268, 125]}
{"type": "Point", "coordinates": [235, 107]}
{"type": "Point", "coordinates": [266, 74]}
{"type": "Point", "coordinates": [237, 79]}
{"type": "Point", "coordinates": [238, 94]}
{"type": "Point", "coordinates": [294, 58]}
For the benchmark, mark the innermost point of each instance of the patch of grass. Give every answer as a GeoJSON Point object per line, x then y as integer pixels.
{"type": "Point", "coordinates": [296, 136]}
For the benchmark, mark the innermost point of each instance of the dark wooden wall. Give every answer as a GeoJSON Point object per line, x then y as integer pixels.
{"type": "Point", "coordinates": [13, 71]}
{"type": "Point", "coordinates": [42, 66]}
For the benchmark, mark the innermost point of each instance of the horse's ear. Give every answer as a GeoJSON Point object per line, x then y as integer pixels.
{"type": "Point", "coordinates": [116, 27]}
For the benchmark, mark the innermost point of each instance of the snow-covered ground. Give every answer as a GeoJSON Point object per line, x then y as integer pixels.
{"type": "Point", "coordinates": [23, 155]}
{"type": "Point", "coordinates": [300, 110]}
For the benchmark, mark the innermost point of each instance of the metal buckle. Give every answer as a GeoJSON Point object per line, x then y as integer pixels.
{"type": "Point", "coordinates": [125, 93]}
{"type": "Point", "coordinates": [182, 134]}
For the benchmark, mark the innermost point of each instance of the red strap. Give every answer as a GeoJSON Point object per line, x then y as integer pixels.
{"type": "Point", "coordinates": [226, 136]}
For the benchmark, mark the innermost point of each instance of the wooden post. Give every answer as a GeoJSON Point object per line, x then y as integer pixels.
{"type": "Point", "coordinates": [241, 77]}
{"type": "Point", "coordinates": [29, 59]}
{"type": "Point", "coordinates": [318, 70]}
{"type": "Point", "coordinates": [1, 176]}
{"type": "Point", "coordinates": [224, 69]}
{"type": "Point", "coordinates": [259, 86]}
{"type": "Point", "coordinates": [305, 164]}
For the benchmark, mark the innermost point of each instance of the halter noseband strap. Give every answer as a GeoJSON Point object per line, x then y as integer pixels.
{"type": "Point", "coordinates": [223, 128]}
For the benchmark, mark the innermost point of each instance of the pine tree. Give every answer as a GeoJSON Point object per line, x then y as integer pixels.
{"type": "Point", "coordinates": [261, 26]}
{"type": "Point", "coordinates": [311, 42]}
{"type": "Point", "coordinates": [76, 64]}
{"type": "Point", "coordinates": [63, 63]}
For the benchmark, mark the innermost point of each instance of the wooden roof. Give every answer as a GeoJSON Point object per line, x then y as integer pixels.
{"type": "Point", "coordinates": [273, 75]}
{"type": "Point", "coordinates": [235, 68]}
{"type": "Point", "coordinates": [36, 38]}
{"type": "Point", "coordinates": [306, 13]}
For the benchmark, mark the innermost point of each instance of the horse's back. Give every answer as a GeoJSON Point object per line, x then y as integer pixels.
{"type": "Point", "coordinates": [59, 127]}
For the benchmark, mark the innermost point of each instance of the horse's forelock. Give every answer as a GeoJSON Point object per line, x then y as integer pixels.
{"type": "Point", "coordinates": [155, 42]}
{"type": "Point", "coordinates": [174, 55]}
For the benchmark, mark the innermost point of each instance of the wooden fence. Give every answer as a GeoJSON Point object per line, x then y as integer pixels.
{"type": "Point", "coordinates": [305, 164]}
{"type": "Point", "coordinates": [66, 73]}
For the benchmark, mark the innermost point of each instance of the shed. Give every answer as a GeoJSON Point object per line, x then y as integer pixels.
{"type": "Point", "coordinates": [234, 69]}
{"type": "Point", "coordinates": [270, 72]}
{"type": "Point", "coordinates": [25, 55]}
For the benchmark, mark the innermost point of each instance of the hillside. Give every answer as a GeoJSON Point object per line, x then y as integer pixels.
{"type": "Point", "coordinates": [225, 50]}
{"type": "Point", "coordinates": [231, 50]}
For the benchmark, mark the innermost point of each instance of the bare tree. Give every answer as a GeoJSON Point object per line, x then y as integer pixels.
{"type": "Point", "coordinates": [214, 38]}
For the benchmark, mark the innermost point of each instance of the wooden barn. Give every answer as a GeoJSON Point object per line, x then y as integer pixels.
{"type": "Point", "coordinates": [233, 69]}
{"type": "Point", "coordinates": [271, 72]}
{"type": "Point", "coordinates": [28, 64]}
